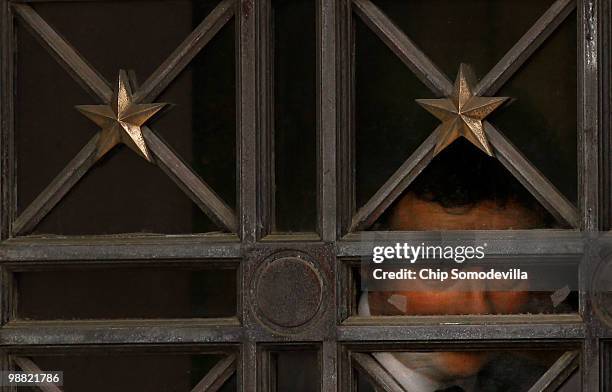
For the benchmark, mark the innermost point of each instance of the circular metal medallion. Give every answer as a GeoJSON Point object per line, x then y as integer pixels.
{"type": "Point", "coordinates": [287, 291]}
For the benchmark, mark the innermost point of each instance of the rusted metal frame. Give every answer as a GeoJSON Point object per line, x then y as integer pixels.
{"type": "Point", "coordinates": [112, 248]}
{"type": "Point", "coordinates": [558, 373]}
{"type": "Point", "coordinates": [345, 103]}
{"type": "Point", "coordinates": [605, 43]}
{"type": "Point", "coordinates": [7, 167]}
{"type": "Point", "coordinates": [146, 349]}
{"type": "Point", "coordinates": [525, 47]}
{"type": "Point", "coordinates": [326, 119]}
{"type": "Point", "coordinates": [386, 331]}
{"type": "Point", "coordinates": [329, 366]}
{"type": "Point", "coordinates": [185, 52]}
{"type": "Point", "coordinates": [264, 78]}
{"type": "Point", "coordinates": [589, 113]}
{"type": "Point", "coordinates": [532, 179]}
{"type": "Point", "coordinates": [403, 47]}
{"type": "Point", "coordinates": [247, 370]}
{"type": "Point", "coordinates": [217, 376]}
{"type": "Point", "coordinates": [65, 54]}
{"type": "Point", "coordinates": [110, 332]}
{"type": "Point", "coordinates": [375, 373]}
{"type": "Point", "coordinates": [489, 319]}
{"type": "Point", "coordinates": [194, 186]}
{"type": "Point", "coordinates": [253, 194]}
{"type": "Point", "coordinates": [247, 110]}
{"type": "Point", "coordinates": [589, 161]}
{"type": "Point", "coordinates": [27, 365]}
{"type": "Point", "coordinates": [267, 369]}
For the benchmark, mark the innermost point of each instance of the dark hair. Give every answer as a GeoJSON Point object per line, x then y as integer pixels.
{"type": "Point", "coordinates": [461, 175]}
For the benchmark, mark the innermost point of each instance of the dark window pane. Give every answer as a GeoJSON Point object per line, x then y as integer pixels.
{"type": "Point", "coordinates": [49, 132]}
{"type": "Point", "coordinates": [478, 32]}
{"type": "Point", "coordinates": [122, 193]}
{"type": "Point", "coordinates": [475, 370]}
{"type": "Point", "coordinates": [296, 371]}
{"type": "Point", "coordinates": [137, 35]}
{"type": "Point", "coordinates": [201, 125]}
{"type": "Point", "coordinates": [126, 293]}
{"type": "Point", "coordinates": [542, 120]}
{"type": "Point", "coordinates": [168, 372]}
{"type": "Point", "coordinates": [295, 114]}
{"type": "Point", "coordinates": [389, 125]}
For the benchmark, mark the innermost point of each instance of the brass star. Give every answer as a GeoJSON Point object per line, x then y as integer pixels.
{"type": "Point", "coordinates": [122, 119]}
{"type": "Point", "coordinates": [462, 113]}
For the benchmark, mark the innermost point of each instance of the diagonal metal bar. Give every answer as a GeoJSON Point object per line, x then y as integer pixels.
{"type": "Point", "coordinates": [190, 183]}
{"type": "Point", "coordinates": [58, 188]}
{"type": "Point", "coordinates": [186, 51]}
{"type": "Point", "coordinates": [403, 47]}
{"type": "Point", "coordinates": [396, 184]}
{"type": "Point", "coordinates": [531, 178]}
{"type": "Point", "coordinates": [558, 373]}
{"type": "Point", "coordinates": [66, 55]}
{"type": "Point", "coordinates": [375, 373]}
{"type": "Point", "coordinates": [525, 47]}
{"type": "Point", "coordinates": [217, 376]}
{"type": "Point", "coordinates": [27, 365]}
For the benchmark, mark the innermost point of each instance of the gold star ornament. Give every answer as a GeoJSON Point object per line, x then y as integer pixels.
{"type": "Point", "coordinates": [122, 119]}
{"type": "Point", "coordinates": [462, 113]}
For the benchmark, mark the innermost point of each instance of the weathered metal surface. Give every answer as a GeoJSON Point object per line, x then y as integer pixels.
{"type": "Point", "coordinates": [334, 332]}
{"type": "Point", "coordinates": [287, 291]}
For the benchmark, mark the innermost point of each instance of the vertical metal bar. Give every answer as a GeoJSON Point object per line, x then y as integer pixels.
{"type": "Point", "coordinates": [345, 142]}
{"type": "Point", "coordinates": [247, 120]}
{"type": "Point", "coordinates": [589, 175]}
{"type": "Point", "coordinates": [329, 366]}
{"type": "Point", "coordinates": [247, 368]}
{"type": "Point", "coordinates": [8, 48]}
{"type": "Point", "coordinates": [326, 119]}
{"type": "Point", "coordinates": [588, 109]}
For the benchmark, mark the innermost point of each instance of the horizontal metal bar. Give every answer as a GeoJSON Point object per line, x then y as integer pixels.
{"type": "Point", "coordinates": [499, 242]}
{"type": "Point", "coordinates": [461, 332]}
{"type": "Point", "coordinates": [211, 331]}
{"type": "Point", "coordinates": [102, 248]}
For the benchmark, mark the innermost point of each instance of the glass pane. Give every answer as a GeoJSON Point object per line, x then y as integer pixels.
{"type": "Point", "coordinates": [49, 132]}
{"type": "Point", "coordinates": [456, 371]}
{"type": "Point", "coordinates": [296, 371]}
{"type": "Point", "coordinates": [126, 293]}
{"type": "Point", "coordinates": [168, 372]}
{"type": "Point", "coordinates": [478, 32]}
{"type": "Point", "coordinates": [122, 193]}
{"type": "Point", "coordinates": [201, 124]}
{"type": "Point", "coordinates": [464, 189]}
{"type": "Point", "coordinates": [389, 125]}
{"type": "Point", "coordinates": [295, 115]}
{"type": "Point", "coordinates": [542, 120]}
{"type": "Point", "coordinates": [129, 35]}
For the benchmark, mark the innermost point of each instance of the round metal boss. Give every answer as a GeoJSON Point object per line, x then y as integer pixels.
{"type": "Point", "coordinates": [288, 292]}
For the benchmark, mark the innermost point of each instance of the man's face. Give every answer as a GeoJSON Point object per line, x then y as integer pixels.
{"type": "Point", "coordinates": [459, 297]}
